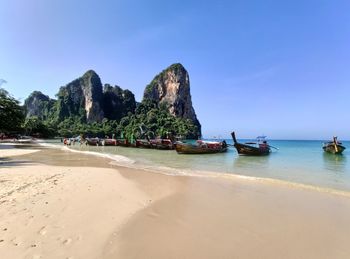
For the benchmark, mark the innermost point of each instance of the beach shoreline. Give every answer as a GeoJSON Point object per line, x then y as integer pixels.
{"type": "Point", "coordinates": [124, 161]}
{"type": "Point", "coordinates": [96, 209]}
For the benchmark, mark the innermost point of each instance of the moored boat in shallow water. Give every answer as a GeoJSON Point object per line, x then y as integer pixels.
{"type": "Point", "coordinates": [201, 147]}
{"type": "Point", "coordinates": [259, 148]}
{"type": "Point", "coordinates": [109, 142]}
{"type": "Point", "coordinates": [93, 141]}
{"type": "Point", "coordinates": [334, 147]}
{"type": "Point", "coordinates": [143, 143]}
{"type": "Point", "coordinates": [163, 144]}
{"type": "Point", "coordinates": [123, 142]}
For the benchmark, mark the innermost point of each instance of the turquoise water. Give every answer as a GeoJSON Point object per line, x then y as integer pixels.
{"type": "Point", "coordinates": [295, 161]}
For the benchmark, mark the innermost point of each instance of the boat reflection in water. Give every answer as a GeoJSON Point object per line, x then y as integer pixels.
{"type": "Point", "coordinates": [334, 163]}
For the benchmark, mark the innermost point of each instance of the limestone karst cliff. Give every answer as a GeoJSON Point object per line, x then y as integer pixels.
{"type": "Point", "coordinates": [82, 97]}
{"type": "Point", "coordinates": [172, 87]}
{"type": "Point", "coordinates": [39, 105]}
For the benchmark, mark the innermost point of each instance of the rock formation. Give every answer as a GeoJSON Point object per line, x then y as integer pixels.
{"type": "Point", "coordinates": [117, 102]}
{"type": "Point", "coordinates": [38, 104]}
{"type": "Point", "coordinates": [166, 106]}
{"type": "Point", "coordinates": [82, 97]}
{"type": "Point", "coordinates": [172, 87]}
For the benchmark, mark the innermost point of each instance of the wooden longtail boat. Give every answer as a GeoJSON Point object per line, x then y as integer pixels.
{"type": "Point", "coordinates": [333, 147]}
{"type": "Point", "coordinates": [259, 148]}
{"type": "Point", "coordinates": [123, 142]}
{"type": "Point", "coordinates": [109, 142]}
{"type": "Point", "coordinates": [200, 147]}
{"type": "Point", "coordinates": [143, 143]}
{"type": "Point", "coordinates": [164, 144]}
{"type": "Point", "coordinates": [93, 141]}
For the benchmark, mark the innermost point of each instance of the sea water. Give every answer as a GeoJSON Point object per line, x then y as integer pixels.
{"type": "Point", "coordinates": [295, 161]}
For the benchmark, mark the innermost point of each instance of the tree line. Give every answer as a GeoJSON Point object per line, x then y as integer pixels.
{"type": "Point", "coordinates": [148, 120]}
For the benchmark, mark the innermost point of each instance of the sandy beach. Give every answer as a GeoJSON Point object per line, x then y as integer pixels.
{"type": "Point", "coordinates": [59, 204]}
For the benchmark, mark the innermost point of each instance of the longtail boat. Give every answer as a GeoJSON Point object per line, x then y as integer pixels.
{"type": "Point", "coordinates": [200, 147]}
{"type": "Point", "coordinates": [93, 141]}
{"type": "Point", "coordinates": [259, 148]}
{"type": "Point", "coordinates": [334, 147]}
{"type": "Point", "coordinates": [109, 142]}
{"type": "Point", "coordinates": [143, 143]}
{"type": "Point", "coordinates": [164, 144]}
{"type": "Point", "coordinates": [122, 142]}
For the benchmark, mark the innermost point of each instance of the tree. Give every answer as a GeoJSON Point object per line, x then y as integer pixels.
{"type": "Point", "coordinates": [11, 113]}
{"type": "Point", "coordinates": [35, 126]}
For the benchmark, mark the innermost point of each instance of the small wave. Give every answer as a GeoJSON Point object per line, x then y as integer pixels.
{"type": "Point", "coordinates": [44, 144]}
{"type": "Point", "coordinates": [232, 176]}
{"type": "Point", "coordinates": [116, 159]}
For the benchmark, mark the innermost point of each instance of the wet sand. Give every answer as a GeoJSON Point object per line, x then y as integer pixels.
{"type": "Point", "coordinates": [59, 204]}
{"type": "Point", "coordinates": [237, 219]}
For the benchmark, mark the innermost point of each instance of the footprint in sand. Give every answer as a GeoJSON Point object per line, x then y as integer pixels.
{"type": "Point", "coordinates": [15, 242]}
{"type": "Point", "coordinates": [67, 241]}
{"type": "Point", "coordinates": [43, 231]}
{"type": "Point", "coordinates": [46, 215]}
{"type": "Point", "coordinates": [29, 221]}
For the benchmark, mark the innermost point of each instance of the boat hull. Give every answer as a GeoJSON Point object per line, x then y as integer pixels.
{"type": "Point", "coordinates": [162, 144]}
{"type": "Point", "coordinates": [247, 150]}
{"type": "Point", "coordinates": [122, 143]}
{"type": "Point", "coordinates": [92, 142]}
{"type": "Point", "coordinates": [143, 143]}
{"type": "Point", "coordinates": [334, 149]}
{"type": "Point", "coordinates": [184, 148]}
{"type": "Point", "coordinates": [109, 142]}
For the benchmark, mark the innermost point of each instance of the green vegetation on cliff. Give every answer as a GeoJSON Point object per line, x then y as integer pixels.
{"type": "Point", "coordinates": [117, 103]}
{"type": "Point", "coordinates": [154, 120]}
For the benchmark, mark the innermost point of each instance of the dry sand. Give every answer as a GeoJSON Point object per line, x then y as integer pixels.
{"type": "Point", "coordinates": [62, 212]}
{"type": "Point", "coordinates": [55, 211]}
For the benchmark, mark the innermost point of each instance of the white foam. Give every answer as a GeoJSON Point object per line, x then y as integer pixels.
{"type": "Point", "coordinates": [117, 159]}
{"type": "Point", "coordinates": [211, 174]}
{"type": "Point", "coordinates": [49, 145]}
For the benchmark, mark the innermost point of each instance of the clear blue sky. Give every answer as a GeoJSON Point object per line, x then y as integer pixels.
{"type": "Point", "coordinates": [280, 68]}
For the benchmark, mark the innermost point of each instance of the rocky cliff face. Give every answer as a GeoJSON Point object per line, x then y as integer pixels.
{"type": "Point", "coordinates": [172, 87]}
{"type": "Point", "coordinates": [117, 102]}
{"type": "Point", "coordinates": [82, 97]}
{"type": "Point", "coordinates": [38, 104]}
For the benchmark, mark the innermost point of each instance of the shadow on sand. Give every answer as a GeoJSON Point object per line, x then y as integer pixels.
{"type": "Point", "coordinates": [7, 162]}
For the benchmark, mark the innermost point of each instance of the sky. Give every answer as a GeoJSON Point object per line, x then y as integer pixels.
{"type": "Point", "coordinates": [279, 68]}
